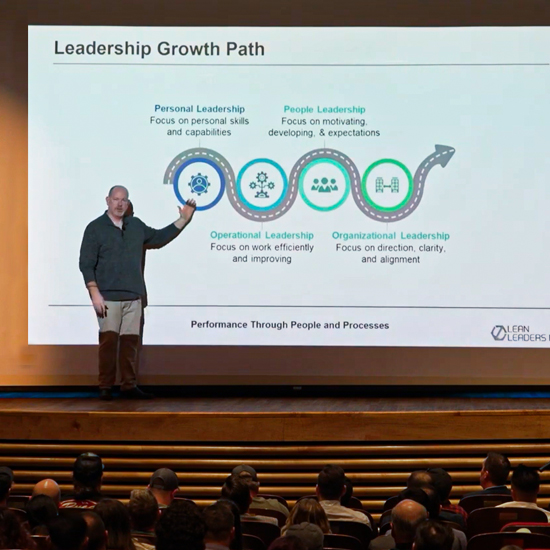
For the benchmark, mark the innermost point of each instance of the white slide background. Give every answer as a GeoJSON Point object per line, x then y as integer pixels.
{"type": "Point", "coordinates": [482, 91]}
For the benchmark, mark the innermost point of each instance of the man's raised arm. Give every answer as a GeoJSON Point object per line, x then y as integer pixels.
{"type": "Point", "coordinates": [157, 238]}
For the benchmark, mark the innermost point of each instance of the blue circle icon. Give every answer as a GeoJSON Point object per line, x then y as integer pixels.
{"type": "Point", "coordinates": [262, 185]}
{"type": "Point", "coordinates": [199, 183]}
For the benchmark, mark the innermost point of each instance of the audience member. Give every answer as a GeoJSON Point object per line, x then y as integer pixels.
{"type": "Point", "coordinates": [6, 482]}
{"type": "Point", "coordinates": [406, 516]}
{"type": "Point", "coordinates": [236, 489]}
{"type": "Point", "coordinates": [144, 513]}
{"type": "Point", "coordinates": [443, 484]}
{"type": "Point", "coordinates": [12, 533]}
{"type": "Point", "coordinates": [419, 479]}
{"type": "Point", "coordinates": [287, 543]}
{"type": "Point", "coordinates": [164, 485]}
{"type": "Point", "coordinates": [67, 532]}
{"type": "Point", "coordinates": [237, 542]}
{"type": "Point", "coordinates": [310, 511]}
{"type": "Point", "coordinates": [116, 518]}
{"type": "Point", "coordinates": [433, 535]}
{"type": "Point", "coordinates": [95, 531]}
{"type": "Point", "coordinates": [50, 488]}
{"type": "Point", "coordinates": [41, 509]}
{"type": "Point", "coordinates": [494, 475]}
{"type": "Point", "coordinates": [346, 497]}
{"type": "Point", "coordinates": [330, 488]}
{"type": "Point", "coordinates": [220, 526]}
{"type": "Point", "coordinates": [525, 489]}
{"type": "Point", "coordinates": [511, 547]}
{"type": "Point", "coordinates": [181, 527]}
{"type": "Point", "coordinates": [87, 476]}
{"type": "Point", "coordinates": [310, 534]}
{"type": "Point", "coordinates": [258, 502]}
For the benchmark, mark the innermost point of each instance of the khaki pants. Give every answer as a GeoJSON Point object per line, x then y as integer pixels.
{"type": "Point", "coordinates": [119, 342]}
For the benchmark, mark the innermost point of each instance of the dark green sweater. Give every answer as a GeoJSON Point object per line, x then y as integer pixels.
{"type": "Point", "coordinates": [112, 257]}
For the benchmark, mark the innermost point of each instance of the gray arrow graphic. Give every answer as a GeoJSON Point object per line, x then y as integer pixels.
{"type": "Point", "coordinates": [441, 156]}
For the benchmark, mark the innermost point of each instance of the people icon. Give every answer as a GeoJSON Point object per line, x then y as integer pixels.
{"type": "Point", "coordinates": [324, 186]}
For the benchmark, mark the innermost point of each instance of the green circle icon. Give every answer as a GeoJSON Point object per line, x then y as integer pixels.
{"type": "Point", "coordinates": [368, 197]}
{"type": "Point", "coordinates": [324, 182]}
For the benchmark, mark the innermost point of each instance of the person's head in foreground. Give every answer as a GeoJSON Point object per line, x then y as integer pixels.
{"type": "Point", "coordinates": [6, 482]}
{"type": "Point", "coordinates": [220, 524]}
{"type": "Point", "coordinates": [87, 474]}
{"type": "Point", "coordinates": [419, 479]}
{"type": "Point", "coordinates": [144, 510]}
{"type": "Point", "coordinates": [494, 471]}
{"type": "Point", "coordinates": [95, 531]}
{"type": "Point", "coordinates": [310, 534]}
{"type": "Point", "coordinates": [442, 482]}
{"type": "Point", "coordinates": [181, 527]}
{"type": "Point", "coordinates": [117, 201]}
{"type": "Point", "coordinates": [237, 542]}
{"type": "Point", "coordinates": [116, 519]}
{"type": "Point", "coordinates": [41, 509]}
{"type": "Point", "coordinates": [331, 483]}
{"type": "Point", "coordinates": [237, 489]}
{"type": "Point", "coordinates": [68, 531]}
{"type": "Point", "coordinates": [12, 533]}
{"type": "Point", "coordinates": [248, 474]}
{"type": "Point", "coordinates": [287, 543]}
{"type": "Point", "coordinates": [48, 487]}
{"type": "Point", "coordinates": [525, 484]}
{"type": "Point", "coordinates": [164, 485]}
{"type": "Point", "coordinates": [310, 511]}
{"type": "Point", "coordinates": [406, 516]}
{"type": "Point", "coordinates": [433, 535]}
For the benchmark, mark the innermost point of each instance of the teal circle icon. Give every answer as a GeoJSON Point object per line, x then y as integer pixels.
{"type": "Point", "coordinates": [262, 185]}
{"type": "Point", "coordinates": [324, 185]}
{"type": "Point", "coordinates": [368, 197]}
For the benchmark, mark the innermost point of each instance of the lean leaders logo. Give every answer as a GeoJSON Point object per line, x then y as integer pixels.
{"type": "Point", "coordinates": [498, 333]}
{"type": "Point", "coordinates": [517, 333]}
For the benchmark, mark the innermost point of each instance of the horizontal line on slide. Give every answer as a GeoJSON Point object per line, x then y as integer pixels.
{"type": "Point", "coordinates": [312, 64]}
{"type": "Point", "coordinates": [318, 307]}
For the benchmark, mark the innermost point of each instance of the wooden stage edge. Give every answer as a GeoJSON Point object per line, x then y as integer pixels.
{"type": "Point", "coordinates": [274, 420]}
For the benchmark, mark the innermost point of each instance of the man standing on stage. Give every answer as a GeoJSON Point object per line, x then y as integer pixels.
{"type": "Point", "coordinates": [111, 263]}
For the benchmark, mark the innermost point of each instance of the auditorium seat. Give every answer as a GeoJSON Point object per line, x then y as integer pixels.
{"type": "Point", "coordinates": [251, 542]}
{"type": "Point", "coordinates": [18, 501]}
{"type": "Point", "coordinates": [362, 532]}
{"type": "Point", "coordinates": [42, 542]}
{"type": "Point", "coordinates": [492, 520]}
{"type": "Point", "coordinates": [278, 515]}
{"type": "Point", "coordinates": [355, 503]}
{"type": "Point", "coordinates": [343, 542]}
{"type": "Point", "coordinates": [482, 501]}
{"type": "Point", "coordinates": [267, 532]}
{"type": "Point", "coordinates": [384, 523]}
{"type": "Point", "coordinates": [495, 541]}
{"type": "Point", "coordinates": [390, 503]}
{"type": "Point", "coordinates": [542, 528]}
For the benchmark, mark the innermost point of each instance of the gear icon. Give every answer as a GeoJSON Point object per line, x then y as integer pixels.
{"type": "Point", "coordinates": [261, 177]}
{"type": "Point", "coordinates": [199, 184]}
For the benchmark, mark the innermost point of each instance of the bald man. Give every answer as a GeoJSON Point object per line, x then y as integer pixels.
{"type": "Point", "coordinates": [406, 516]}
{"type": "Point", "coordinates": [49, 488]}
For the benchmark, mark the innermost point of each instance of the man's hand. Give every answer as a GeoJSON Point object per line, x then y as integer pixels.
{"type": "Point", "coordinates": [98, 302]}
{"type": "Point", "coordinates": [187, 211]}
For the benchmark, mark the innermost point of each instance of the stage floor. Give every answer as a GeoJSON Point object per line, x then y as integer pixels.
{"type": "Point", "coordinates": [275, 419]}
{"type": "Point", "coordinates": [277, 404]}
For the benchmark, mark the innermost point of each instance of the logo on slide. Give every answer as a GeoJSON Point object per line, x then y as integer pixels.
{"type": "Point", "coordinates": [498, 333]}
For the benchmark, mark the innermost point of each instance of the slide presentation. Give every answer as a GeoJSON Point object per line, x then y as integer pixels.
{"type": "Point", "coordinates": [354, 186]}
